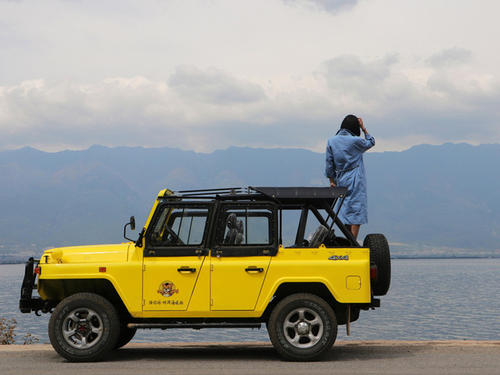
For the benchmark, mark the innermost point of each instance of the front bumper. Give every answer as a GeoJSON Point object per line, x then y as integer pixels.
{"type": "Point", "coordinates": [28, 303]}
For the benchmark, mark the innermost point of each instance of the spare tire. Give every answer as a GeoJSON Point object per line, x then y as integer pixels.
{"type": "Point", "coordinates": [381, 257]}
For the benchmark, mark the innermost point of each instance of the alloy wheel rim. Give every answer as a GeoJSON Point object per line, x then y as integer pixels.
{"type": "Point", "coordinates": [303, 327]}
{"type": "Point", "coordinates": [82, 328]}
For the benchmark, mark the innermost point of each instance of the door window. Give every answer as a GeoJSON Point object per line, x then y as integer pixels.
{"type": "Point", "coordinates": [245, 227]}
{"type": "Point", "coordinates": [179, 226]}
{"type": "Point", "coordinates": [174, 256]}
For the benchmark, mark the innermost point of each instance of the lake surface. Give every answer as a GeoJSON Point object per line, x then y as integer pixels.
{"type": "Point", "coordinates": [429, 299]}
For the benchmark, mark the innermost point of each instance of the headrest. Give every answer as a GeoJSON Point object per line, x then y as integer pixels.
{"type": "Point", "coordinates": [239, 226]}
{"type": "Point", "coordinates": [231, 221]}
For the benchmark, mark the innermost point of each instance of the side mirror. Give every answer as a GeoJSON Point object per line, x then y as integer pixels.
{"type": "Point", "coordinates": [132, 226]}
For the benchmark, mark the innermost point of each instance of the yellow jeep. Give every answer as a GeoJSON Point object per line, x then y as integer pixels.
{"type": "Point", "coordinates": [215, 259]}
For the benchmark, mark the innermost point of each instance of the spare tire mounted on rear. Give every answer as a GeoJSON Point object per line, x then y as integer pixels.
{"type": "Point", "coordinates": [381, 257]}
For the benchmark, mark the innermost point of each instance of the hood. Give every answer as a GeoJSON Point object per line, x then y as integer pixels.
{"type": "Point", "coordinates": [87, 254]}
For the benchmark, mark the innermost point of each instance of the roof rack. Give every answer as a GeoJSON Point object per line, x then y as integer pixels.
{"type": "Point", "coordinates": [327, 198]}
{"type": "Point", "coordinates": [280, 194]}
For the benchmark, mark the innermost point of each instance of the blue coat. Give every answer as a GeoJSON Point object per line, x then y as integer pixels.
{"type": "Point", "coordinates": [344, 163]}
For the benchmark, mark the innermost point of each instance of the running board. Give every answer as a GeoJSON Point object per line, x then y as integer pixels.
{"type": "Point", "coordinates": [193, 325]}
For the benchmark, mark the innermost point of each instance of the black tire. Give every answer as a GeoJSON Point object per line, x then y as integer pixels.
{"type": "Point", "coordinates": [84, 315]}
{"type": "Point", "coordinates": [126, 334]}
{"type": "Point", "coordinates": [381, 257]}
{"type": "Point", "coordinates": [282, 337]}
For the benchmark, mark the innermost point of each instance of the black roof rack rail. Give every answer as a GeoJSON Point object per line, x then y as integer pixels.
{"type": "Point", "coordinates": [283, 195]}
{"type": "Point", "coordinates": [209, 193]}
{"type": "Point", "coordinates": [210, 190]}
{"type": "Point", "coordinates": [290, 192]}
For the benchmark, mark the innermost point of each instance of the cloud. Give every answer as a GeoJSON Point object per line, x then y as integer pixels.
{"type": "Point", "coordinates": [213, 86]}
{"type": "Point", "coordinates": [210, 74]}
{"type": "Point", "coordinates": [331, 6]}
{"type": "Point", "coordinates": [450, 105]}
{"type": "Point", "coordinates": [450, 57]}
{"type": "Point", "coordinates": [207, 109]}
{"type": "Point", "coordinates": [186, 112]}
{"type": "Point", "coordinates": [348, 73]}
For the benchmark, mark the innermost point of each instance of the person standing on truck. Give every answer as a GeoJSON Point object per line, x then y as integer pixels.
{"type": "Point", "coordinates": [344, 167]}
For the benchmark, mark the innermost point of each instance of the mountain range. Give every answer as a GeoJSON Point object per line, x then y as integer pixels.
{"type": "Point", "coordinates": [428, 200]}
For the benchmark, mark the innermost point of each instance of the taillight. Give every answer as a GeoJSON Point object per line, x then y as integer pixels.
{"type": "Point", "coordinates": [38, 270]}
{"type": "Point", "coordinates": [373, 272]}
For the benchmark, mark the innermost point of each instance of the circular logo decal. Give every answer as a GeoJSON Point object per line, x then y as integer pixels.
{"type": "Point", "coordinates": [167, 289]}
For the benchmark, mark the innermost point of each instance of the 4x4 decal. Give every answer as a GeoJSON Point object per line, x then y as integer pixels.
{"type": "Point", "coordinates": [339, 257]}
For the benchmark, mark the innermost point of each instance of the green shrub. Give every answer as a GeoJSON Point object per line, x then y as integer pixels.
{"type": "Point", "coordinates": [30, 339]}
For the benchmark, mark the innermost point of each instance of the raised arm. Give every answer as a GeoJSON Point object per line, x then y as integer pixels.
{"type": "Point", "coordinates": [367, 143]}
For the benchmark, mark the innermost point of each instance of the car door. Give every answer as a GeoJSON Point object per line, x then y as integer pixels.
{"type": "Point", "coordinates": [174, 254]}
{"type": "Point", "coordinates": [245, 238]}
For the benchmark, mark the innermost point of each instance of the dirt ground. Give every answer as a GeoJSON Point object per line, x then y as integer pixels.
{"type": "Point", "coordinates": [354, 357]}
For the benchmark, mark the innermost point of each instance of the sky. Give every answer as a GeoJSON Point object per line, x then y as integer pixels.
{"type": "Point", "coordinates": [209, 74]}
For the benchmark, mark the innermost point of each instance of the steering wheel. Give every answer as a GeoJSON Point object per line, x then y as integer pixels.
{"type": "Point", "coordinates": [174, 235]}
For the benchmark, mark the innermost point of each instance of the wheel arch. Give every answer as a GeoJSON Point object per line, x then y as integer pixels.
{"type": "Point", "coordinates": [58, 289]}
{"type": "Point", "coordinates": [316, 288]}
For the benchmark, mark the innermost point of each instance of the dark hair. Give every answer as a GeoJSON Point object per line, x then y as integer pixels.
{"type": "Point", "coordinates": [351, 123]}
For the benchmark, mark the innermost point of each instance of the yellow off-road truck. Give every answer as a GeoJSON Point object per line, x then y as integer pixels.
{"type": "Point", "coordinates": [215, 259]}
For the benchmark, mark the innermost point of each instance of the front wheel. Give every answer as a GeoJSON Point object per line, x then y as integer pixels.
{"type": "Point", "coordinates": [84, 327]}
{"type": "Point", "coordinates": [302, 327]}
{"type": "Point", "coordinates": [126, 334]}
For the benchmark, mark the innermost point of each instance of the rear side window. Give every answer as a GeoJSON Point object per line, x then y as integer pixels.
{"type": "Point", "coordinates": [245, 227]}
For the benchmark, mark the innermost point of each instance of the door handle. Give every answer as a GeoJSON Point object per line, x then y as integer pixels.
{"type": "Point", "coordinates": [186, 269]}
{"type": "Point", "coordinates": [254, 269]}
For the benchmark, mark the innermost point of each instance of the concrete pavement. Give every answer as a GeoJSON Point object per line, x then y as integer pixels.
{"type": "Point", "coordinates": [354, 357]}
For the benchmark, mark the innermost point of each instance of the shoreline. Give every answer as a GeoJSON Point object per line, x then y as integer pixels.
{"type": "Point", "coordinates": [266, 344]}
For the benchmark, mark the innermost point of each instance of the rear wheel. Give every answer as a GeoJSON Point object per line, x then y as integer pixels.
{"type": "Point", "coordinates": [84, 327]}
{"type": "Point", "coordinates": [302, 327]}
{"type": "Point", "coordinates": [380, 255]}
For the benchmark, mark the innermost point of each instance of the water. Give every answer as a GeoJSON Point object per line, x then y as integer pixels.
{"type": "Point", "coordinates": [429, 299]}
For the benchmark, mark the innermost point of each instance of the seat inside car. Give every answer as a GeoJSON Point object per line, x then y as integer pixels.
{"type": "Point", "coordinates": [319, 236]}
{"type": "Point", "coordinates": [234, 235]}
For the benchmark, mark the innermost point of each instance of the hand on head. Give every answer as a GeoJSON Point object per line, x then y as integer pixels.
{"type": "Point", "coordinates": [361, 125]}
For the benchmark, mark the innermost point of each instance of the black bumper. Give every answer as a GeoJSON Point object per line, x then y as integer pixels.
{"type": "Point", "coordinates": [27, 303]}
{"type": "Point", "coordinates": [375, 302]}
